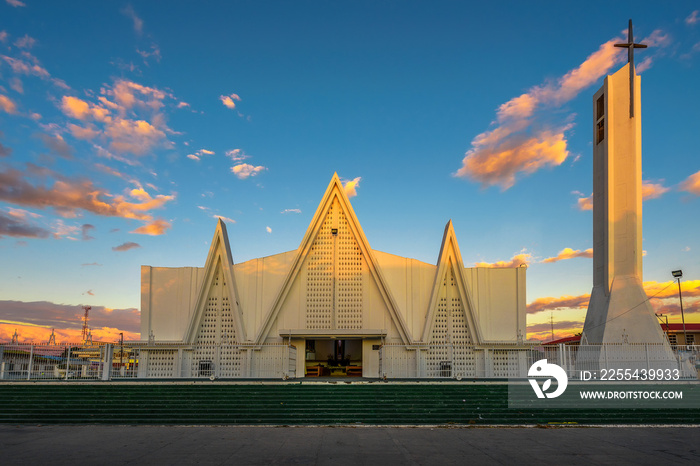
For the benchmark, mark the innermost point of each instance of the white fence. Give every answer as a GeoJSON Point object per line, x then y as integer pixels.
{"type": "Point", "coordinates": [139, 360]}
{"type": "Point", "coordinates": [458, 362]}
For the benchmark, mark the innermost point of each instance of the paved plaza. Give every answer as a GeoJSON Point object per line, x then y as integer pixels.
{"type": "Point", "coordinates": [219, 445]}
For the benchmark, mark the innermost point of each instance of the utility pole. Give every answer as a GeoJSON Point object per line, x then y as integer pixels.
{"type": "Point", "coordinates": [85, 322]}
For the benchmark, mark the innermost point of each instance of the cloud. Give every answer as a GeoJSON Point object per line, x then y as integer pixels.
{"type": "Point", "coordinates": [15, 3]}
{"type": "Point", "coordinates": [515, 261]}
{"type": "Point", "coordinates": [652, 190]}
{"type": "Point", "coordinates": [568, 253]}
{"type": "Point", "coordinates": [237, 155]}
{"type": "Point", "coordinates": [25, 42]}
{"type": "Point", "coordinates": [244, 170]}
{"type": "Point", "coordinates": [67, 196]}
{"type": "Point", "coordinates": [154, 53]}
{"type": "Point", "coordinates": [154, 228]}
{"type": "Point", "coordinates": [61, 230]}
{"type": "Point", "coordinates": [5, 151]}
{"type": "Point", "coordinates": [31, 66]}
{"type": "Point", "coordinates": [523, 140]}
{"type": "Point", "coordinates": [198, 155]}
{"type": "Point", "coordinates": [20, 227]}
{"type": "Point", "coordinates": [128, 115]}
{"type": "Point", "coordinates": [692, 184]}
{"type": "Point", "coordinates": [7, 105]}
{"type": "Point", "coordinates": [291, 211]}
{"type": "Point", "coordinates": [268, 229]}
{"type": "Point", "coordinates": [562, 302]}
{"type": "Point", "coordinates": [225, 219]}
{"type": "Point", "coordinates": [91, 264]}
{"type": "Point", "coordinates": [129, 12]}
{"type": "Point", "coordinates": [57, 145]}
{"type": "Point", "coordinates": [86, 228]}
{"type": "Point", "coordinates": [126, 246]}
{"type": "Point", "coordinates": [137, 137]}
{"type": "Point", "coordinates": [46, 314]}
{"type": "Point", "coordinates": [3, 36]}
{"type": "Point", "coordinates": [499, 164]}
{"type": "Point", "coordinates": [585, 203]}
{"type": "Point", "coordinates": [351, 186]}
{"type": "Point", "coordinates": [82, 110]}
{"type": "Point", "coordinates": [693, 18]}
{"type": "Point", "coordinates": [228, 100]}
{"type": "Point", "coordinates": [669, 289]}
{"type": "Point", "coordinates": [546, 327]}
{"type": "Point", "coordinates": [85, 133]}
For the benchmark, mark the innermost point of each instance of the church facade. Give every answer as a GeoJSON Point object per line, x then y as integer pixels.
{"type": "Point", "coordinates": [333, 307]}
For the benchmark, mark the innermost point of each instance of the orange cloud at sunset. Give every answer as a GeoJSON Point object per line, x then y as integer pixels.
{"type": "Point", "coordinates": [515, 261]}
{"type": "Point", "coordinates": [244, 170]}
{"type": "Point", "coordinates": [692, 184]}
{"type": "Point", "coordinates": [68, 196]}
{"type": "Point", "coordinates": [33, 334]}
{"type": "Point", "coordinates": [350, 187]}
{"type": "Point", "coordinates": [562, 302]}
{"type": "Point", "coordinates": [585, 203]}
{"type": "Point", "coordinates": [653, 190]}
{"type": "Point", "coordinates": [228, 100]}
{"type": "Point", "coordinates": [154, 228]}
{"type": "Point", "coordinates": [562, 328]}
{"type": "Point", "coordinates": [568, 253]}
{"type": "Point", "coordinates": [499, 164]}
{"type": "Point", "coordinates": [521, 143]}
{"type": "Point", "coordinates": [34, 321]}
{"type": "Point", "coordinates": [7, 105]}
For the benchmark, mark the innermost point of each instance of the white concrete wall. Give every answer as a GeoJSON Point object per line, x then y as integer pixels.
{"type": "Point", "coordinates": [168, 298]}
{"type": "Point", "coordinates": [410, 282]}
{"type": "Point", "coordinates": [499, 298]}
{"type": "Point", "coordinates": [258, 282]}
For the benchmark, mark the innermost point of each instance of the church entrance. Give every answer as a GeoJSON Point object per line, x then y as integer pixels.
{"type": "Point", "coordinates": [333, 358]}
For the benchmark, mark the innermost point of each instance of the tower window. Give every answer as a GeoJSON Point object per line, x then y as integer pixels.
{"type": "Point", "coordinates": [600, 119]}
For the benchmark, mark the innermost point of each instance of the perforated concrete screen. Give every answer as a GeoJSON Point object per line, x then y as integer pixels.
{"type": "Point", "coordinates": [334, 271]}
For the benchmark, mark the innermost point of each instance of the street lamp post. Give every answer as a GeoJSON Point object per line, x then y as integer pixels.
{"type": "Point", "coordinates": [678, 274]}
{"type": "Point", "coordinates": [121, 350]}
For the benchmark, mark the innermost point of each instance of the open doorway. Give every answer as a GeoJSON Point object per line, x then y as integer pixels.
{"type": "Point", "coordinates": [334, 358]}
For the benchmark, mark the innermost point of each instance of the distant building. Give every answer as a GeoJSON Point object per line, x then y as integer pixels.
{"type": "Point", "coordinates": [674, 334]}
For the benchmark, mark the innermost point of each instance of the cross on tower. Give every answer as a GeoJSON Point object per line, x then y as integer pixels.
{"type": "Point", "coordinates": [630, 45]}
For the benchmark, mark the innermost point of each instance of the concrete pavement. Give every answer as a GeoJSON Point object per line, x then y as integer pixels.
{"type": "Point", "coordinates": [117, 445]}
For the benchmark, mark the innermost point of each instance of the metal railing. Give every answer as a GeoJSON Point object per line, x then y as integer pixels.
{"type": "Point", "coordinates": [108, 361]}
{"type": "Point", "coordinates": [458, 362]}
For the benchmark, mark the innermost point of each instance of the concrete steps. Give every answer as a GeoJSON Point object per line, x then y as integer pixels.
{"type": "Point", "coordinates": [295, 403]}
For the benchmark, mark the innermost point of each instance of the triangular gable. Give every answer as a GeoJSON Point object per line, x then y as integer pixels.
{"type": "Point", "coordinates": [450, 268]}
{"type": "Point", "coordinates": [219, 266]}
{"type": "Point", "coordinates": [334, 192]}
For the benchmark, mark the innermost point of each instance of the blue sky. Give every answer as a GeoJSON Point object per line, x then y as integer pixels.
{"type": "Point", "coordinates": [121, 124]}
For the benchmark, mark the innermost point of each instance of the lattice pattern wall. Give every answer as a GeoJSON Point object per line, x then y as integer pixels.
{"type": "Point", "coordinates": [450, 329]}
{"type": "Point", "coordinates": [334, 271]}
{"type": "Point", "coordinates": [349, 272]}
{"type": "Point", "coordinates": [161, 363]}
{"type": "Point", "coordinates": [217, 328]}
{"type": "Point", "coordinates": [319, 277]}
{"type": "Point", "coordinates": [507, 363]}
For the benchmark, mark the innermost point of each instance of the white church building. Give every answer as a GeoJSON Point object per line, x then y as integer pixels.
{"type": "Point", "coordinates": [332, 307]}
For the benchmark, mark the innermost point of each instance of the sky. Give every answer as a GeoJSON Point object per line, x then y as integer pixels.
{"type": "Point", "coordinates": [127, 129]}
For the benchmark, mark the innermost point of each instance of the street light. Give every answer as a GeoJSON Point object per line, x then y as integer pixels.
{"type": "Point", "coordinates": [121, 350]}
{"type": "Point", "coordinates": [678, 274]}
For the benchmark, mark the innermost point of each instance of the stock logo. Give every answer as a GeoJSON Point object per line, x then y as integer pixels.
{"type": "Point", "coordinates": [543, 369]}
